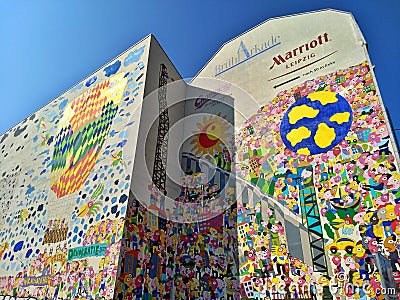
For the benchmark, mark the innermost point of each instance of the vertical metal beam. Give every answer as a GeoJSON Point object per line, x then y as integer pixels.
{"type": "Point", "coordinates": [160, 159]}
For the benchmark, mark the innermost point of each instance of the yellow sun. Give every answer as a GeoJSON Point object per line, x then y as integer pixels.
{"type": "Point", "coordinates": [211, 135]}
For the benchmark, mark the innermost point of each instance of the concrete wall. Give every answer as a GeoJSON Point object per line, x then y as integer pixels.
{"type": "Point", "coordinates": [176, 88]}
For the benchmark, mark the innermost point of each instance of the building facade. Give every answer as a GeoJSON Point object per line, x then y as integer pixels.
{"type": "Point", "coordinates": [272, 175]}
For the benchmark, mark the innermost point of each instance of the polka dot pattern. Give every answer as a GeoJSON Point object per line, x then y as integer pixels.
{"type": "Point", "coordinates": [34, 224]}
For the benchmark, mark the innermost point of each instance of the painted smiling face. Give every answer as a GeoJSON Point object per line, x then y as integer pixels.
{"type": "Point", "coordinates": [359, 250]}
{"type": "Point", "coordinates": [281, 251]}
{"type": "Point", "coordinates": [373, 246]}
{"type": "Point", "coordinates": [390, 243]}
{"type": "Point", "coordinates": [250, 255]}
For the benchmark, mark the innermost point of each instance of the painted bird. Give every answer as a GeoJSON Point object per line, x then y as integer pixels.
{"type": "Point", "coordinates": [93, 205]}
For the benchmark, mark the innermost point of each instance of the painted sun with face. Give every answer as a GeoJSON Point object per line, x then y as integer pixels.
{"type": "Point", "coordinates": [211, 135]}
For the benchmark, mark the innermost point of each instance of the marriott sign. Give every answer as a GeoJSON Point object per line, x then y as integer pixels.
{"type": "Point", "coordinates": [301, 50]}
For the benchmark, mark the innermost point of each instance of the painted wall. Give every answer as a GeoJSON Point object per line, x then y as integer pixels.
{"type": "Point", "coordinates": [306, 192]}
{"type": "Point", "coordinates": [164, 259]}
{"type": "Point", "coordinates": [65, 178]}
{"type": "Point", "coordinates": [164, 255]}
{"type": "Point", "coordinates": [315, 144]}
{"type": "Point", "coordinates": [355, 182]}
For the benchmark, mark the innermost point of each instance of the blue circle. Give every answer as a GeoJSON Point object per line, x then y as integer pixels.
{"type": "Point", "coordinates": [324, 117]}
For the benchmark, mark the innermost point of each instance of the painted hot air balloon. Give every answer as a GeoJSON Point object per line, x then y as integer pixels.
{"type": "Point", "coordinates": [82, 131]}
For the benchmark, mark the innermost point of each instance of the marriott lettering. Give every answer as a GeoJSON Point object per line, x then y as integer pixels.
{"type": "Point", "coordinates": [299, 51]}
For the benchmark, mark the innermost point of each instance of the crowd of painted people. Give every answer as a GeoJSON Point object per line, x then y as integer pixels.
{"type": "Point", "coordinates": [51, 276]}
{"type": "Point", "coordinates": [184, 261]}
{"type": "Point", "coordinates": [267, 270]}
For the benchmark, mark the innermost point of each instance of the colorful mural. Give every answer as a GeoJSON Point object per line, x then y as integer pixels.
{"type": "Point", "coordinates": [66, 174]}
{"type": "Point", "coordinates": [163, 259]}
{"type": "Point", "coordinates": [267, 269]}
{"type": "Point", "coordinates": [325, 144]}
{"type": "Point", "coordinates": [302, 203]}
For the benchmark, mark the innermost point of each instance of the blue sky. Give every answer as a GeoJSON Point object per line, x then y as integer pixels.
{"type": "Point", "coordinates": [48, 46]}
